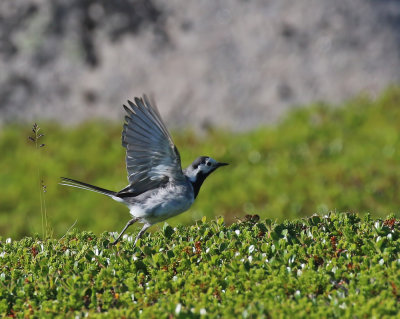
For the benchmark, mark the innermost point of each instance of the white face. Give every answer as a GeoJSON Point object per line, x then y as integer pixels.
{"type": "Point", "coordinates": [205, 167]}
{"type": "Point", "coordinates": [209, 165]}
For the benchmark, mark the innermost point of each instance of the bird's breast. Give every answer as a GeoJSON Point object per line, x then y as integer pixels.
{"type": "Point", "coordinates": [164, 203]}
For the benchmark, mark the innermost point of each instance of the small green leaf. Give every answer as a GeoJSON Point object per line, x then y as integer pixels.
{"type": "Point", "coordinates": [167, 230]}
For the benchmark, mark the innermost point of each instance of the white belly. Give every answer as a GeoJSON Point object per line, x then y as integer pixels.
{"type": "Point", "coordinates": [166, 203]}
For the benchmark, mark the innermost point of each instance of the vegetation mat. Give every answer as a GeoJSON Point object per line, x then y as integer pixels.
{"type": "Point", "coordinates": [331, 266]}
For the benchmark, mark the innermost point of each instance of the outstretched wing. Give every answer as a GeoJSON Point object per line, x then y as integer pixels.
{"type": "Point", "coordinates": [152, 159]}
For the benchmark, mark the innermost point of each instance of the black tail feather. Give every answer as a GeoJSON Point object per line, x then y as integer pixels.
{"type": "Point", "coordinates": [74, 183]}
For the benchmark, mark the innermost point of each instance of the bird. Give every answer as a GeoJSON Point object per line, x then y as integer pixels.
{"type": "Point", "coordinates": [158, 186]}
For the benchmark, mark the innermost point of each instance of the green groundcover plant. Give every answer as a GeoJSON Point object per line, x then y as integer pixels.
{"type": "Point", "coordinates": [332, 266]}
{"type": "Point", "coordinates": [318, 159]}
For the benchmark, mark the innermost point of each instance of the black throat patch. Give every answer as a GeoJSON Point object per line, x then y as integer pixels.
{"type": "Point", "coordinates": [200, 177]}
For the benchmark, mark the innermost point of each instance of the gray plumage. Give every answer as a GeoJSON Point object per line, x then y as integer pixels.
{"type": "Point", "coordinates": [158, 188]}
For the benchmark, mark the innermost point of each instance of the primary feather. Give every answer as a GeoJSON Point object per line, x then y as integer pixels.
{"type": "Point", "coordinates": [151, 156]}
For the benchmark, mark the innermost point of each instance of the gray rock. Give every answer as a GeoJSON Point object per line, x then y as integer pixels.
{"type": "Point", "coordinates": [231, 63]}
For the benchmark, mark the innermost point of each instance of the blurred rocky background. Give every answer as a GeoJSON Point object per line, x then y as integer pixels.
{"type": "Point", "coordinates": [232, 63]}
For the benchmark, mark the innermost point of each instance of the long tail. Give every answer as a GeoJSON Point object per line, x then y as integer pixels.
{"type": "Point", "coordinates": [73, 183]}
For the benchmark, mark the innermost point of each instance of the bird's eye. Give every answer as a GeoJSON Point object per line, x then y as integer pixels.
{"type": "Point", "coordinates": [208, 164]}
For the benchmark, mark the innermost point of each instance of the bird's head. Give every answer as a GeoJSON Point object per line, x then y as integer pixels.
{"type": "Point", "coordinates": [198, 171]}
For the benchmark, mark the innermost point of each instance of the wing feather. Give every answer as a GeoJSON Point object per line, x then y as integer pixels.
{"type": "Point", "coordinates": [152, 159]}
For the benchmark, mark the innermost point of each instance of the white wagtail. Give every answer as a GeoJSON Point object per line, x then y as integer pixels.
{"type": "Point", "coordinates": [158, 188]}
